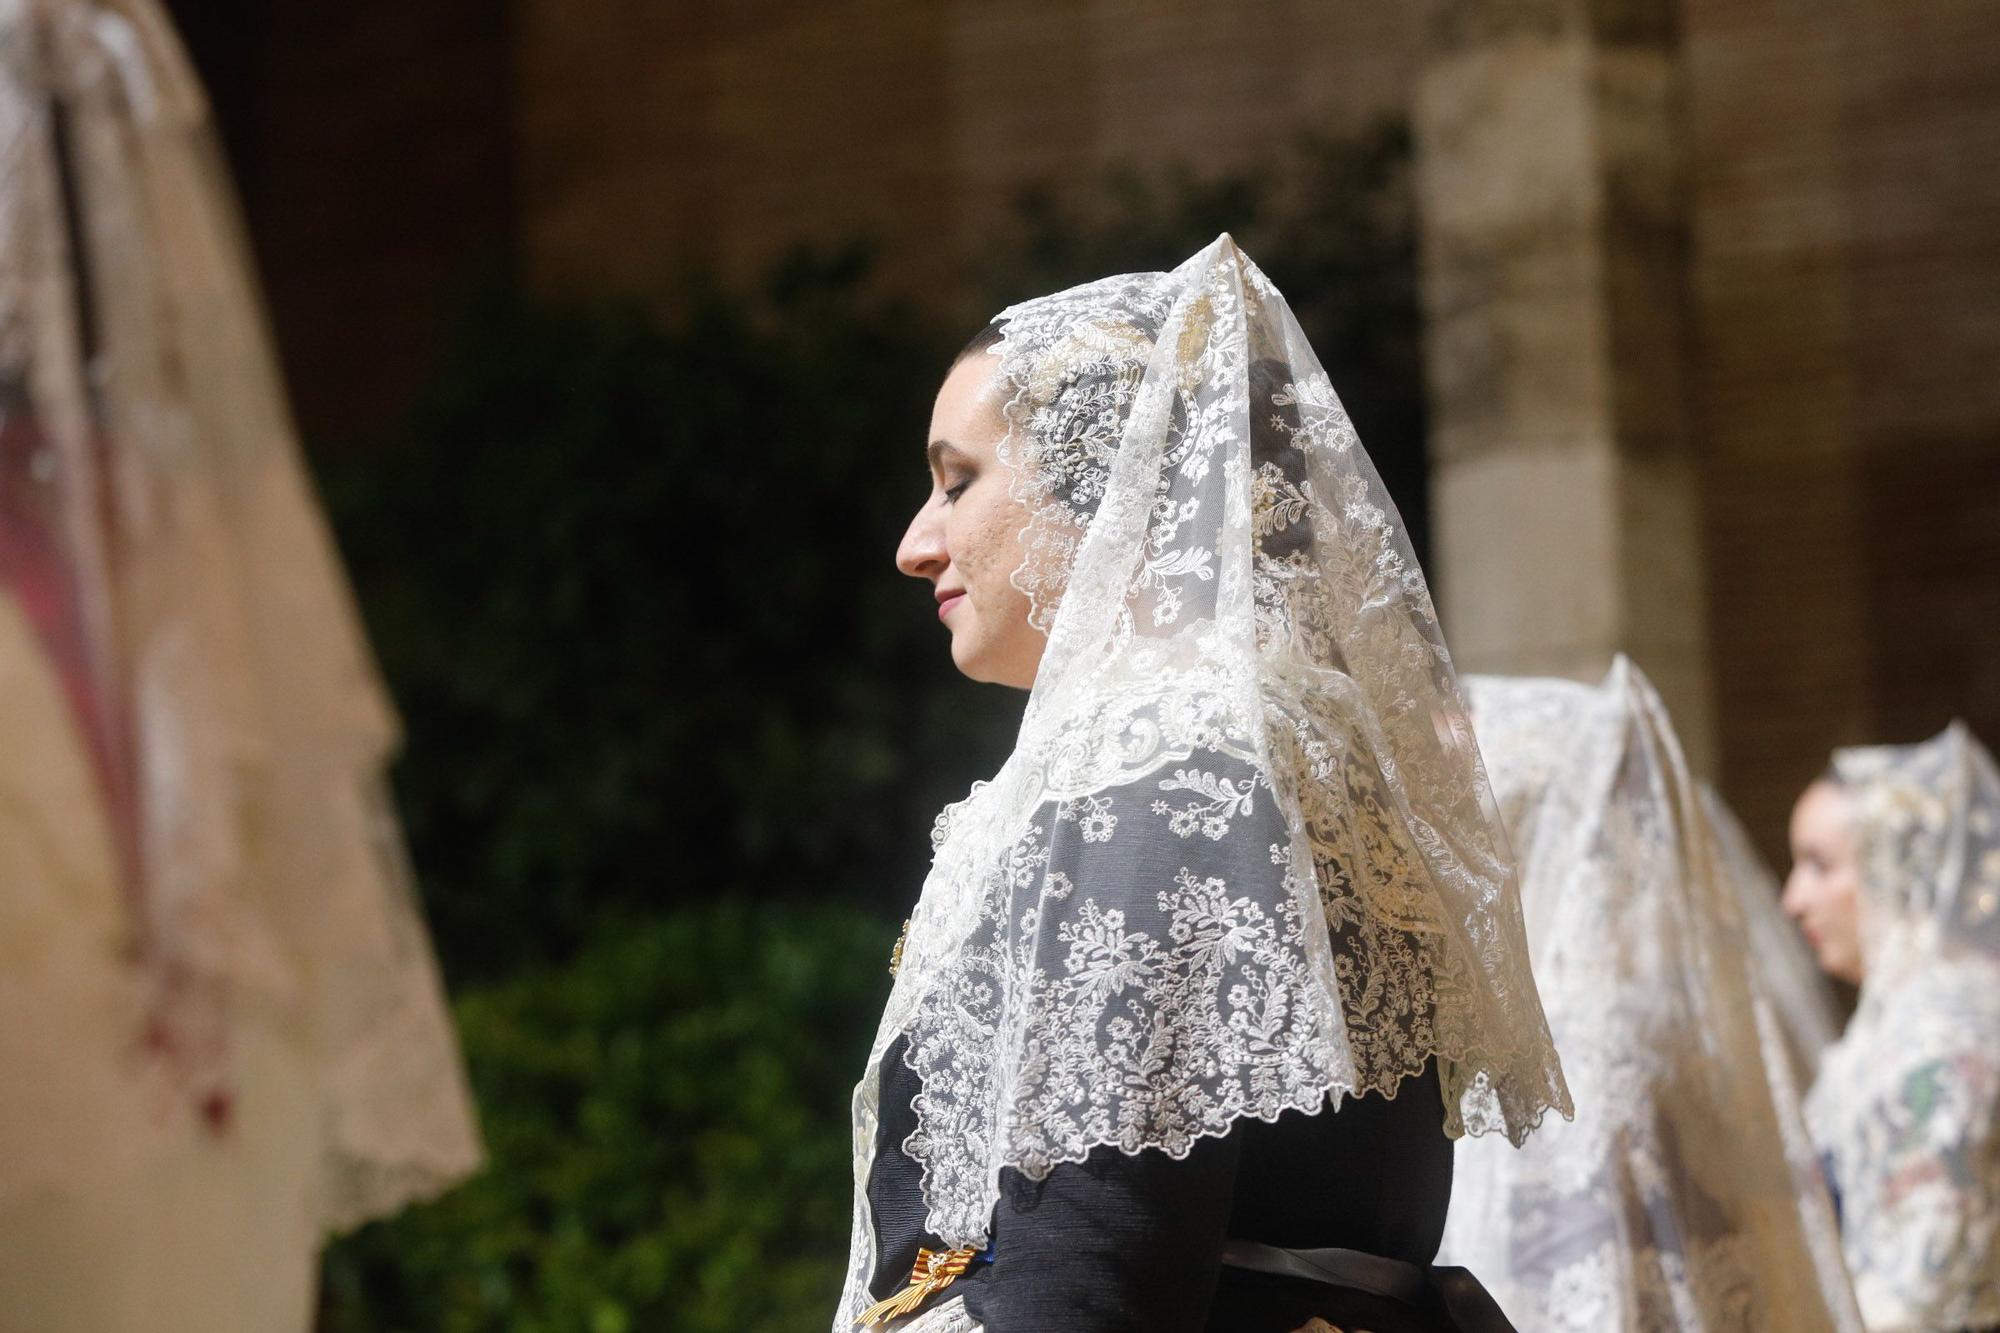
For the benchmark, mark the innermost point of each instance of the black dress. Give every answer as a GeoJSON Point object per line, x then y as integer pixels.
{"type": "Point", "coordinates": [1120, 1242]}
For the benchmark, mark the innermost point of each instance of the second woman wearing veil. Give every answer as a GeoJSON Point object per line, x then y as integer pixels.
{"type": "Point", "coordinates": [1204, 979]}
{"type": "Point", "coordinates": [1896, 883]}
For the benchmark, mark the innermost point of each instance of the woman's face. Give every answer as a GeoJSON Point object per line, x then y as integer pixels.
{"type": "Point", "coordinates": [1823, 892]}
{"type": "Point", "coordinates": [966, 539]}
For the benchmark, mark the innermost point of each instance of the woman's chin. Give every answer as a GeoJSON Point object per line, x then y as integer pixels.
{"type": "Point", "coordinates": [967, 657]}
{"type": "Point", "coordinates": [979, 661]}
{"type": "Point", "coordinates": [1840, 966]}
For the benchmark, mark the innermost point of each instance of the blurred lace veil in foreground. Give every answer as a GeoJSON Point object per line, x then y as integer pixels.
{"type": "Point", "coordinates": [215, 990]}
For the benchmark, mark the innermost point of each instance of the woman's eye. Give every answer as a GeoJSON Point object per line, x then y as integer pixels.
{"type": "Point", "coordinates": [951, 493]}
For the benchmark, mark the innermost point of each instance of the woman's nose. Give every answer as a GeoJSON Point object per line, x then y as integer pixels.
{"type": "Point", "coordinates": [1793, 899]}
{"type": "Point", "coordinates": [921, 554]}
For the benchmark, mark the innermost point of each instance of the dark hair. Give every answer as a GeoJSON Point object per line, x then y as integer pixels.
{"type": "Point", "coordinates": [985, 338]}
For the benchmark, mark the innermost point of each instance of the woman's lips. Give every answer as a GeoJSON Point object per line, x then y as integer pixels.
{"type": "Point", "coordinates": [946, 604]}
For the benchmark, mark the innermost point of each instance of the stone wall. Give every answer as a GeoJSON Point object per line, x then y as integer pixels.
{"type": "Point", "coordinates": [1713, 290]}
{"type": "Point", "coordinates": [1846, 260]}
{"type": "Point", "coordinates": [1713, 295]}
{"type": "Point", "coordinates": [371, 145]}
{"type": "Point", "coordinates": [655, 135]}
{"type": "Point", "coordinates": [1553, 254]}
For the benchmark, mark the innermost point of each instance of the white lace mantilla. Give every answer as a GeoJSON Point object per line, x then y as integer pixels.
{"type": "Point", "coordinates": [159, 533]}
{"type": "Point", "coordinates": [1242, 858]}
{"type": "Point", "coordinates": [1685, 1195]}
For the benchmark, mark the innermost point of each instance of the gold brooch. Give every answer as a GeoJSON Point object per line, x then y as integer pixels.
{"type": "Point", "coordinates": [934, 1271]}
{"type": "Point", "coordinates": [896, 954]}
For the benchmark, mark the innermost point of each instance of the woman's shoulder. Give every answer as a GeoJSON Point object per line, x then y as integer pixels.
{"type": "Point", "coordinates": [1924, 1054]}
{"type": "Point", "coordinates": [1948, 997]}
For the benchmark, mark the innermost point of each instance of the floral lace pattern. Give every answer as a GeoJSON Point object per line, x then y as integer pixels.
{"type": "Point", "coordinates": [1151, 968]}
{"type": "Point", "coordinates": [1684, 1196]}
{"type": "Point", "coordinates": [1906, 1109]}
{"type": "Point", "coordinates": [1242, 858]}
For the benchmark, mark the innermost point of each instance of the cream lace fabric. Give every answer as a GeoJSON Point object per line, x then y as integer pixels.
{"type": "Point", "coordinates": [1907, 1105]}
{"type": "Point", "coordinates": [162, 554]}
{"type": "Point", "coordinates": [1242, 857]}
{"type": "Point", "coordinates": [1684, 1196]}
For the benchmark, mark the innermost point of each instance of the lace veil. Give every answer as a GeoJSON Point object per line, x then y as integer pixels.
{"type": "Point", "coordinates": [162, 554]}
{"type": "Point", "coordinates": [1907, 1105]}
{"type": "Point", "coordinates": [1242, 858]}
{"type": "Point", "coordinates": [1684, 1195]}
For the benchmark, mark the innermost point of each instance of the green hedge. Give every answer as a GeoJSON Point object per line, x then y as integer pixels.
{"type": "Point", "coordinates": [667, 1121]}
{"type": "Point", "coordinates": [632, 585]}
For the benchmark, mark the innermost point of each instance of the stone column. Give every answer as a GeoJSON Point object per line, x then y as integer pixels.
{"type": "Point", "coordinates": [1553, 253]}
{"type": "Point", "coordinates": [1773, 265]}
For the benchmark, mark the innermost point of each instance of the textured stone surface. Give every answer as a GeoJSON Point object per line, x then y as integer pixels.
{"type": "Point", "coordinates": [1507, 195]}
{"type": "Point", "coordinates": [724, 134]}
{"type": "Point", "coordinates": [1553, 249]}
{"type": "Point", "coordinates": [1552, 512]}
{"type": "Point", "coordinates": [370, 143]}
{"type": "Point", "coordinates": [1847, 263]}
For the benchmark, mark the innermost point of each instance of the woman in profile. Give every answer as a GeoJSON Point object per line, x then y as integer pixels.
{"type": "Point", "coordinates": [1685, 1196]}
{"type": "Point", "coordinates": [1896, 883]}
{"type": "Point", "coordinates": [1205, 978]}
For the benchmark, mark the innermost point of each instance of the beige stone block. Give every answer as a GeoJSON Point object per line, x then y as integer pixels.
{"type": "Point", "coordinates": [1526, 559]}
{"type": "Point", "coordinates": [1512, 275]}
{"type": "Point", "coordinates": [1504, 146]}
{"type": "Point", "coordinates": [1514, 351]}
{"type": "Point", "coordinates": [1458, 24]}
{"type": "Point", "coordinates": [1551, 562]}
{"type": "Point", "coordinates": [1636, 127]}
{"type": "Point", "coordinates": [1663, 591]}
{"type": "Point", "coordinates": [1659, 551]}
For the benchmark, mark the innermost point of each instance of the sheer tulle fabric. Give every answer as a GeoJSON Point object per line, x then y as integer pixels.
{"type": "Point", "coordinates": [1242, 656]}
{"type": "Point", "coordinates": [1685, 1195]}
{"type": "Point", "coordinates": [170, 580]}
{"type": "Point", "coordinates": [1801, 996]}
{"type": "Point", "coordinates": [1906, 1109]}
